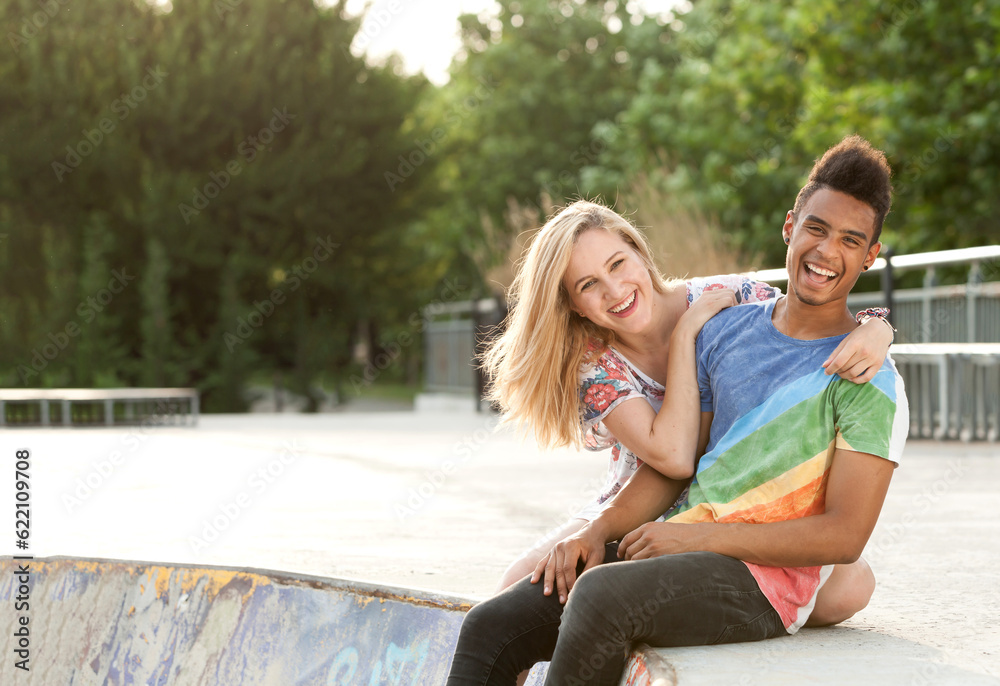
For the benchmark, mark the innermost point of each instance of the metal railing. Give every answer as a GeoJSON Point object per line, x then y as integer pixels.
{"type": "Point", "coordinates": [962, 313]}
{"type": "Point", "coordinates": [948, 340]}
{"type": "Point", "coordinates": [97, 407]}
{"type": "Point", "coordinates": [953, 389]}
{"type": "Point", "coordinates": [452, 335]}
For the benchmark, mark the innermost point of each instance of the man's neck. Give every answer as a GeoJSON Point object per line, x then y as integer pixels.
{"type": "Point", "coordinates": [797, 319]}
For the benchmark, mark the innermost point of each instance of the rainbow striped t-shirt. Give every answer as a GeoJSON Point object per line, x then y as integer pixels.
{"type": "Point", "coordinates": [778, 419]}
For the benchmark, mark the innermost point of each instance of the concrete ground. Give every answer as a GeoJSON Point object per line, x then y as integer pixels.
{"type": "Point", "coordinates": [444, 501]}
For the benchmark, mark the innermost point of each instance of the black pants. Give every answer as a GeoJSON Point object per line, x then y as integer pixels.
{"type": "Point", "coordinates": [675, 600]}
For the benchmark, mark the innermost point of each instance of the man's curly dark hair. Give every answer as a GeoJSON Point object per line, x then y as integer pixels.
{"type": "Point", "coordinates": [856, 168]}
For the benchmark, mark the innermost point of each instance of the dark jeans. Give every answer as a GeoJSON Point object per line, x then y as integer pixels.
{"type": "Point", "coordinates": [675, 600]}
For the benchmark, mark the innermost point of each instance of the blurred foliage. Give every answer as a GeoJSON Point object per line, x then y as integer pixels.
{"type": "Point", "coordinates": [762, 89]}
{"type": "Point", "coordinates": [167, 176]}
{"type": "Point", "coordinates": [242, 155]}
{"type": "Point", "coordinates": [533, 98]}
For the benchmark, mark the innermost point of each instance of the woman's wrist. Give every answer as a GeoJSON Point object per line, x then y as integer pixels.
{"type": "Point", "coordinates": [684, 332]}
{"type": "Point", "coordinates": [880, 313]}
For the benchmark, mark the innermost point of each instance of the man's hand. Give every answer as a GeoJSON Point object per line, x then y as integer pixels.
{"type": "Point", "coordinates": [659, 538]}
{"type": "Point", "coordinates": [561, 563]}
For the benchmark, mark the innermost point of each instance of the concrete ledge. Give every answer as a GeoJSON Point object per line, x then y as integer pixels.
{"type": "Point", "coordinates": [827, 657]}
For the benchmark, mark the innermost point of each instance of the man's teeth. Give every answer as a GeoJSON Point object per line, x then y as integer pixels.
{"type": "Point", "coordinates": [820, 270]}
{"type": "Point", "coordinates": [625, 305]}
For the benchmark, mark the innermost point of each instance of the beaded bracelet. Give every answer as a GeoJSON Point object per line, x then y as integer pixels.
{"type": "Point", "coordinates": [881, 313]}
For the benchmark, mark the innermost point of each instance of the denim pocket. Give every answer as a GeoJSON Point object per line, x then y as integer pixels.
{"type": "Point", "coordinates": [765, 625]}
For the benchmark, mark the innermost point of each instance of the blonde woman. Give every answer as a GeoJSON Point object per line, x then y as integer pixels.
{"type": "Point", "coordinates": [590, 329]}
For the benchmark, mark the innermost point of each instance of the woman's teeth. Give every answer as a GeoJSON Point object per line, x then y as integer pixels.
{"type": "Point", "coordinates": [625, 305]}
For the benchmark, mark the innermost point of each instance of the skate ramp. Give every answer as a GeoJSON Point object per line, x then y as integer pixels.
{"type": "Point", "coordinates": [121, 623]}
{"type": "Point", "coordinates": [114, 622]}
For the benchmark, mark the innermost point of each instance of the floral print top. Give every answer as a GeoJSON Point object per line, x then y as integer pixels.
{"type": "Point", "coordinates": [612, 380]}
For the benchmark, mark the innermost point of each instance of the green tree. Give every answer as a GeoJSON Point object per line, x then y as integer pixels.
{"type": "Point", "coordinates": [761, 89]}
{"type": "Point", "coordinates": [533, 102]}
{"type": "Point", "coordinates": [176, 146]}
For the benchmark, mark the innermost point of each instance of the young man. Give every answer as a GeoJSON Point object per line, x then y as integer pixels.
{"type": "Point", "coordinates": [794, 471]}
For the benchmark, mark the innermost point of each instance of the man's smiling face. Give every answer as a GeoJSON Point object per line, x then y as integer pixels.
{"type": "Point", "coordinates": [828, 244]}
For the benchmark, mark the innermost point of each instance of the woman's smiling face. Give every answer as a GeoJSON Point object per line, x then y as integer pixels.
{"type": "Point", "coordinates": [608, 283]}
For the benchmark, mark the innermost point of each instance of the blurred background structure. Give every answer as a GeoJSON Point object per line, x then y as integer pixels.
{"type": "Point", "coordinates": [239, 196]}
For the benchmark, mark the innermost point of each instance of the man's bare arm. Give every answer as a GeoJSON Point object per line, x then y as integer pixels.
{"type": "Point", "coordinates": [646, 496]}
{"type": "Point", "coordinates": [855, 492]}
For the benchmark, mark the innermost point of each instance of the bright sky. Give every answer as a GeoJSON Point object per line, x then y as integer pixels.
{"type": "Point", "coordinates": [425, 32]}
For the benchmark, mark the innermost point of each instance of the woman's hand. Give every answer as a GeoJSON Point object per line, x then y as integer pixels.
{"type": "Point", "coordinates": [859, 356]}
{"type": "Point", "coordinates": [709, 304]}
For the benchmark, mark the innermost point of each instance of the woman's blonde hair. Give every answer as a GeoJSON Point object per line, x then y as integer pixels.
{"type": "Point", "coordinates": [534, 366]}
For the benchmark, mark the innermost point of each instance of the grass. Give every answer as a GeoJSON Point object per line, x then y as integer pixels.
{"type": "Point", "coordinates": [388, 390]}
